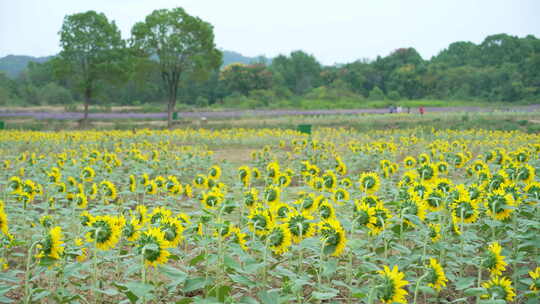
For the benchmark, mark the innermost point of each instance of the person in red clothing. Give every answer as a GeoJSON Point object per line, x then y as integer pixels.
{"type": "Point", "coordinates": [421, 110]}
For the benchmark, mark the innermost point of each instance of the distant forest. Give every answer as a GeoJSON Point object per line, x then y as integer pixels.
{"type": "Point", "coordinates": [501, 68]}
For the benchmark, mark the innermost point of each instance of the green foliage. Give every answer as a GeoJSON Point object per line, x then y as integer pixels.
{"type": "Point", "coordinates": [183, 44]}
{"type": "Point", "coordinates": [376, 94]}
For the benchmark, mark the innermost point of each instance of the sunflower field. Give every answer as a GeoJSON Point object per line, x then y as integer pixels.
{"type": "Point", "coordinates": [153, 216]}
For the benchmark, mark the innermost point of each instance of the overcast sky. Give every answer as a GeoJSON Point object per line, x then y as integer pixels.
{"type": "Point", "coordinates": [335, 31]}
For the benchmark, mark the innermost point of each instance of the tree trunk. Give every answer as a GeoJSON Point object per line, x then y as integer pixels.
{"type": "Point", "coordinates": [87, 97]}
{"type": "Point", "coordinates": [173, 88]}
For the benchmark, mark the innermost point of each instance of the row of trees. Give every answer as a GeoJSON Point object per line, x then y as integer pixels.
{"type": "Point", "coordinates": [172, 56]}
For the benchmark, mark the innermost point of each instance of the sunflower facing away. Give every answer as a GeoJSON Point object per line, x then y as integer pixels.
{"type": "Point", "coordinates": [499, 288]}
{"type": "Point", "coordinates": [52, 245]}
{"type": "Point", "coordinates": [279, 239]}
{"type": "Point", "coordinates": [494, 261]}
{"type": "Point", "coordinates": [333, 237]}
{"type": "Point", "coordinates": [369, 182]}
{"type": "Point", "coordinates": [104, 231]}
{"type": "Point", "coordinates": [153, 246]}
{"type": "Point", "coordinates": [436, 277]}
{"type": "Point", "coordinates": [392, 290]}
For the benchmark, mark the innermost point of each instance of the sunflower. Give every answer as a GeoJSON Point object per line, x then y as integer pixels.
{"type": "Point", "coordinates": [132, 229]}
{"type": "Point", "coordinates": [84, 251]}
{"type": "Point", "coordinates": [283, 180]}
{"type": "Point", "coordinates": [272, 170]}
{"type": "Point", "coordinates": [346, 182]}
{"type": "Point", "coordinates": [300, 225]}
{"type": "Point", "coordinates": [212, 199]}
{"type": "Point", "coordinates": [414, 206]}
{"type": "Point", "coordinates": [307, 202]}
{"type": "Point", "coordinates": [392, 290]}
{"type": "Point", "coordinates": [159, 214]}
{"type": "Point", "coordinates": [153, 246]}
{"type": "Point", "coordinates": [330, 180]}
{"type": "Point", "coordinates": [3, 219]}
{"type": "Point", "coordinates": [436, 277]}
{"type": "Point", "coordinates": [260, 221]}
{"type": "Point", "coordinates": [272, 194]}
{"type": "Point", "coordinates": [53, 245]}
{"type": "Point", "coordinates": [200, 181]}
{"type": "Point", "coordinates": [341, 195]}
{"type": "Point", "coordinates": [499, 288]}
{"type": "Point", "coordinates": [427, 172]}
{"type": "Point", "coordinates": [423, 158]}
{"type": "Point", "coordinates": [409, 162]}
{"type": "Point", "coordinates": [465, 210]}
{"type": "Point", "coordinates": [497, 180]}
{"type": "Point", "coordinates": [279, 239]}
{"type": "Point", "coordinates": [251, 197]}
{"type": "Point", "coordinates": [382, 216]}
{"type": "Point", "coordinates": [88, 174]}
{"type": "Point", "coordinates": [525, 173]}
{"type": "Point", "coordinates": [442, 167]}
{"type": "Point", "coordinates": [333, 237]}
{"type": "Point", "coordinates": [280, 211]}
{"type": "Point", "coordinates": [109, 190]}
{"type": "Point", "coordinates": [255, 173]}
{"type": "Point", "coordinates": [499, 205]}
{"type": "Point", "coordinates": [369, 182]}
{"type": "Point", "coordinates": [238, 237]}
{"type": "Point", "coordinates": [214, 172]}
{"type": "Point", "coordinates": [326, 210]}
{"type": "Point", "coordinates": [434, 199]}
{"type": "Point", "coordinates": [363, 214]}
{"type": "Point", "coordinates": [81, 200]}
{"type": "Point", "coordinates": [132, 183]}
{"type": "Point", "coordinates": [172, 229]}
{"type": "Point", "coordinates": [104, 231]}
{"type": "Point", "coordinates": [150, 188]}
{"type": "Point", "coordinates": [244, 174]}
{"type": "Point", "coordinates": [435, 232]}
{"type": "Point", "coordinates": [535, 276]}
{"type": "Point", "coordinates": [494, 261]}
{"type": "Point", "coordinates": [15, 184]}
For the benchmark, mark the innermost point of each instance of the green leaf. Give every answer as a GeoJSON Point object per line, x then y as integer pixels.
{"type": "Point", "coordinates": [463, 283]}
{"type": "Point", "coordinates": [499, 301]}
{"type": "Point", "coordinates": [474, 292]}
{"type": "Point", "coordinates": [323, 295]}
{"type": "Point", "coordinates": [175, 274]}
{"type": "Point", "coordinates": [197, 259]}
{"type": "Point", "coordinates": [427, 290]}
{"type": "Point", "coordinates": [40, 294]}
{"type": "Point", "coordinates": [243, 280]}
{"type": "Point", "coordinates": [248, 300]}
{"type": "Point", "coordinates": [140, 289]}
{"type": "Point", "coordinates": [194, 284]}
{"type": "Point", "coordinates": [330, 267]}
{"type": "Point", "coordinates": [268, 297]}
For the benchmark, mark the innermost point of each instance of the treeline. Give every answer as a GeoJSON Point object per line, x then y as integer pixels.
{"type": "Point", "coordinates": [501, 68]}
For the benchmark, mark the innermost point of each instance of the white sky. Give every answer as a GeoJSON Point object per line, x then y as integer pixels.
{"type": "Point", "coordinates": [335, 31]}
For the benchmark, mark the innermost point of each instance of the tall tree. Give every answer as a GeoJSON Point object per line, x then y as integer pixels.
{"type": "Point", "coordinates": [183, 45]}
{"type": "Point", "coordinates": [92, 51]}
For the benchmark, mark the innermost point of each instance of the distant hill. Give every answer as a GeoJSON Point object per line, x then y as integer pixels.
{"type": "Point", "coordinates": [13, 65]}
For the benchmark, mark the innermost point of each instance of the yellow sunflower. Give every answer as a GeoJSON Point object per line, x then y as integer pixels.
{"type": "Point", "coordinates": [153, 246]}
{"type": "Point", "coordinates": [104, 231]}
{"type": "Point", "coordinates": [3, 219]}
{"type": "Point", "coordinates": [53, 245]}
{"type": "Point", "coordinates": [239, 237]}
{"type": "Point", "coordinates": [279, 239]}
{"type": "Point", "coordinates": [499, 288]}
{"type": "Point", "coordinates": [392, 290]}
{"type": "Point", "coordinates": [300, 225]}
{"type": "Point", "coordinates": [436, 277]}
{"type": "Point", "coordinates": [435, 232]}
{"type": "Point", "coordinates": [499, 204]}
{"type": "Point", "coordinates": [214, 172]}
{"type": "Point", "coordinates": [494, 261]}
{"type": "Point", "coordinates": [260, 221]}
{"type": "Point", "coordinates": [535, 276]}
{"type": "Point", "coordinates": [409, 162]}
{"type": "Point", "coordinates": [369, 182]}
{"type": "Point", "coordinates": [212, 199]}
{"type": "Point", "coordinates": [244, 174]}
{"type": "Point", "coordinates": [333, 237]}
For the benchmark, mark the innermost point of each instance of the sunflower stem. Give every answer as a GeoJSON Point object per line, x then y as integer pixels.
{"type": "Point", "coordinates": [95, 264]}
{"type": "Point", "coordinates": [479, 279]}
{"type": "Point", "coordinates": [27, 290]}
{"type": "Point", "coordinates": [418, 286]}
{"type": "Point", "coordinates": [143, 272]}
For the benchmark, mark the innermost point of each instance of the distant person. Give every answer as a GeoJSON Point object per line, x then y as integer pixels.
{"type": "Point", "coordinates": [391, 109]}
{"type": "Point", "coordinates": [421, 110]}
{"type": "Point", "coordinates": [399, 109]}
{"type": "Point", "coordinates": [409, 110]}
